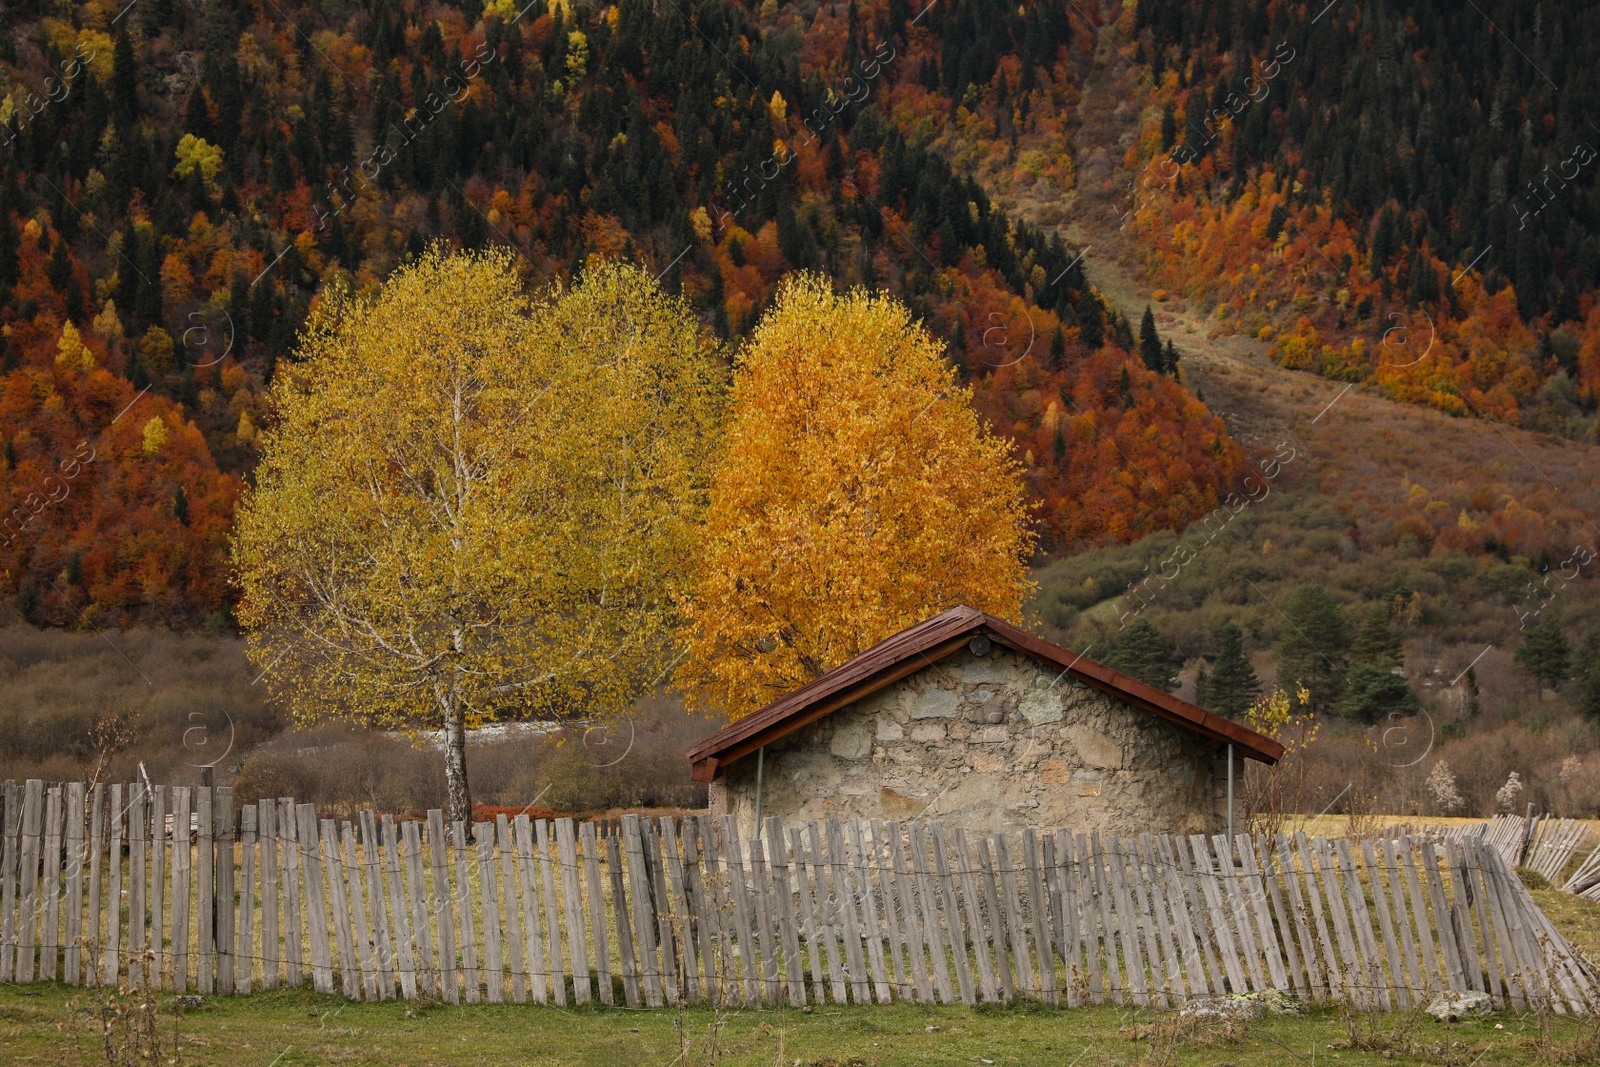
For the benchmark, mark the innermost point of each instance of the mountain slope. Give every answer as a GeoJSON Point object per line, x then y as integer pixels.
{"type": "Point", "coordinates": [179, 182]}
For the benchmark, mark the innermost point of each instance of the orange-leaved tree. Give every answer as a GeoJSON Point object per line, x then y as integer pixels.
{"type": "Point", "coordinates": [858, 492]}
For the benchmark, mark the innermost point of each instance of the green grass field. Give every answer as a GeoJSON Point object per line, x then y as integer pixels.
{"type": "Point", "coordinates": [49, 1025]}
{"type": "Point", "coordinates": [46, 1024]}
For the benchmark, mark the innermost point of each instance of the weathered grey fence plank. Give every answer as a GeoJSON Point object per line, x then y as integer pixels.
{"type": "Point", "coordinates": [1074, 975]}
{"type": "Point", "coordinates": [932, 930]}
{"type": "Point", "coordinates": [360, 924]}
{"type": "Point", "coordinates": [703, 910]}
{"type": "Point", "coordinates": [443, 908]}
{"type": "Point", "coordinates": [845, 894]}
{"type": "Point", "coordinates": [315, 900]}
{"type": "Point", "coordinates": [1127, 921]}
{"type": "Point", "coordinates": [344, 939]}
{"type": "Point", "coordinates": [267, 831]}
{"type": "Point", "coordinates": [244, 949]}
{"type": "Point", "coordinates": [619, 904]}
{"type": "Point", "coordinates": [223, 881]}
{"type": "Point", "coordinates": [372, 863]}
{"type": "Point", "coordinates": [861, 864]}
{"type": "Point", "coordinates": [733, 863]}
{"type": "Point", "coordinates": [1380, 901]}
{"type": "Point", "coordinates": [988, 985]}
{"type": "Point", "coordinates": [808, 915]}
{"type": "Point", "coordinates": [572, 897]}
{"type": "Point", "coordinates": [643, 911]}
{"type": "Point", "coordinates": [466, 930]}
{"type": "Point", "coordinates": [76, 857]}
{"type": "Point", "coordinates": [1285, 928]}
{"type": "Point", "coordinates": [953, 926]}
{"type": "Point", "coordinates": [158, 877]}
{"type": "Point", "coordinates": [181, 867]}
{"type": "Point", "coordinates": [293, 914]}
{"type": "Point", "coordinates": [1110, 956]}
{"type": "Point", "coordinates": [1236, 909]}
{"type": "Point", "coordinates": [1199, 982]}
{"type": "Point", "coordinates": [671, 987]}
{"type": "Point", "coordinates": [111, 964]}
{"type": "Point", "coordinates": [1254, 887]}
{"type": "Point", "coordinates": [1147, 884]}
{"type": "Point", "coordinates": [50, 890]}
{"type": "Point", "coordinates": [1461, 919]}
{"type": "Point", "coordinates": [1432, 971]}
{"type": "Point", "coordinates": [898, 960]}
{"type": "Point", "coordinates": [762, 906]}
{"type": "Point", "coordinates": [599, 922]}
{"type": "Point", "coordinates": [10, 874]}
{"type": "Point", "coordinates": [514, 935]}
{"type": "Point", "coordinates": [205, 880]}
{"type": "Point", "coordinates": [538, 969]}
{"type": "Point", "coordinates": [399, 908]}
{"type": "Point", "coordinates": [552, 911]}
{"type": "Point", "coordinates": [489, 900]}
{"type": "Point", "coordinates": [1449, 944]}
{"type": "Point", "coordinates": [783, 894]}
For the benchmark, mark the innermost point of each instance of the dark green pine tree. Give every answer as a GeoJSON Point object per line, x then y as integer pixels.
{"type": "Point", "coordinates": [1232, 686]}
{"type": "Point", "coordinates": [1122, 333]}
{"type": "Point", "coordinates": [1313, 646]}
{"type": "Point", "coordinates": [1091, 327]}
{"type": "Point", "coordinates": [1474, 695]}
{"type": "Point", "coordinates": [1169, 359]}
{"type": "Point", "coordinates": [1141, 652]}
{"type": "Point", "coordinates": [124, 80]}
{"type": "Point", "coordinates": [1589, 673]}
{"type": "Point", "coordinates": [1149, 342]}
{"type": "Point", "coordinates": [1373, 690]}
{"type": "Point", "coordinates": [1545, 654]}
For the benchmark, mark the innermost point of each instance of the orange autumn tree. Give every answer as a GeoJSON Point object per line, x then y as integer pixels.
{"type": "Point", "coordinates": [858, 492]}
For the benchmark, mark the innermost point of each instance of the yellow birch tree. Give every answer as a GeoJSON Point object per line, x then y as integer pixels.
{"type": "Point", "coordinates": [858, 492]}
{"type": "Point", "coordinates": [477, 502]}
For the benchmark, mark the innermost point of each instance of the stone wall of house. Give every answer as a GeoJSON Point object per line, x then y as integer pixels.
{"type": "Point", "coordinates": [992, 742]}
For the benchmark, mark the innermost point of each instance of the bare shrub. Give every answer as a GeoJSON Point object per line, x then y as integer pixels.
{"type": "Point", "coordinates": [577, 767]}
{"type": "Point", "coordinates": [180, 700]}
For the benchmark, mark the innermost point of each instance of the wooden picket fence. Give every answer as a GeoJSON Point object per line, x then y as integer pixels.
{"type": "Point", "coordinates": [174, 887]}
{"type": "Point", "coordinates": [1543, 843]}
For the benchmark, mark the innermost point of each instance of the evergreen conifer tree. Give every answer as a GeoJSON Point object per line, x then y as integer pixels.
{"type": "Point", "coordinates": [1141, 652]}
{"type": "Point", "coordinates": [1091, 327]}
{"type": "Point", "coordinates": [1373, 690]}
{"type": "Point", "coordinates": [1232, 686]}
{"type": "Point", "coordinates": [1589, 672]}
{"type": "Point", "coordinates": [1545, 654]}
{"type": "Point", "coordinates": [1149, 342]}
{"type": "Point", "coordinates": [1314, 645]}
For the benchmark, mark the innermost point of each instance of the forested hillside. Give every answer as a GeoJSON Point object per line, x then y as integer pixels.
{"type": "Point", "coordinates": [1400, 193]}
{"type": "Point", "coordinates": [181, 181]}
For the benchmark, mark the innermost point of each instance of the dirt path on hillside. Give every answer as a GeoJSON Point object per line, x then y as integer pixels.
{"type": "Point", "coordinates": [1364, 443]}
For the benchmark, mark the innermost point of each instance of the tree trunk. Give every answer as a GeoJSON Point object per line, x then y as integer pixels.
{"type": "Point", "coordinates": [455, 766]}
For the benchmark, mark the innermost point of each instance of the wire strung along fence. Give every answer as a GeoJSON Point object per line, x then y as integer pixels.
{"type": "Point", "coordinates": [176, 887]}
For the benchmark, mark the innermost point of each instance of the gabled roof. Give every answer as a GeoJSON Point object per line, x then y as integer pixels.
{"type": "Point", "coordinates": [929, 641]}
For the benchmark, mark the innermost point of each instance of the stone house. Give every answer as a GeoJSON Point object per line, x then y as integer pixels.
{"type": "Point", "coordinates": [965, 718]}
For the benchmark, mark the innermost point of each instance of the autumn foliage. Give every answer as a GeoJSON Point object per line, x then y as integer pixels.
{"type": "Point", "coordinates": [858, 493]}
{"type": "Point", "coordinates": [478, 502]}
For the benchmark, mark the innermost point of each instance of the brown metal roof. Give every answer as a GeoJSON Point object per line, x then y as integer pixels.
{"type": "Point", "coordinates": [929, 641]}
